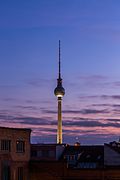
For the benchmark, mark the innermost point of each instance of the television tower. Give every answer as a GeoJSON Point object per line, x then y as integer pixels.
{"type": "Point", "coordinates": [59, 92]}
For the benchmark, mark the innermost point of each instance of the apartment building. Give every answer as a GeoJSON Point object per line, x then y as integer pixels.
{"type": "Point", "coordinates": [14, 153]}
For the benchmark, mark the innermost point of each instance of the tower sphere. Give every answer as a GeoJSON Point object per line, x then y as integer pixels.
{"type": "Point", "coordinates": [59, 91]}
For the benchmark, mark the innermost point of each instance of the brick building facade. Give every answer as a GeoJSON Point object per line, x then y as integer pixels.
{"type": "Point", "coordinates": [14, 153]}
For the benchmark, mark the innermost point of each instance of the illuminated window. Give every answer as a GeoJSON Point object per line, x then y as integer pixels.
{"type": "Point", "coordinates": [86, 165]}
{"type": "Point", "coordinates": [72, 157]}
{"type": "Point", "coordinates": [20, 173]}
{"type": "Point", "coordinates": [5, 145]}
{"type": "Point", "coordinates": [20, 146]}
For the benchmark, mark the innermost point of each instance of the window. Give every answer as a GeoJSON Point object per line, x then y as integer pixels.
{"type": "Point", "coordinates": [86, 165]}
{"type": "Point", "coordinates": [6, 171]}
{"type": "Point", "coordinates": [51, 154]}
{"type": "Point", "coordinates": [33, 153]}
{"type": "Point", "coordinates": [72, 157]}
{"type": "Point", "coordinates": [39, 153]}
{"type": "Point", "coordinates": [20, 173]}
{"type": "Point", "coordinates": [5, 145]}
{"type": "Point", "coordinates": [45, 153]}
{"type": "Point", "coordinates": [20, 146]}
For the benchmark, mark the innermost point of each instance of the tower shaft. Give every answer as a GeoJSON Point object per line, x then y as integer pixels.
{"type": "Point", "coordinates": [59, 130]}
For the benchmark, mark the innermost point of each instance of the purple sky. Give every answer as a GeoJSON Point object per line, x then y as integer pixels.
{"type": "Point", "coordinates": [89, 31]}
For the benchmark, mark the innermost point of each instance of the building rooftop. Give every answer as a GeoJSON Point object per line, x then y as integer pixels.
{"type": "Point", "coordinates": [77, 149]}
{"type": "Point", "coordinates": [84, 154]}
{"type": "Point", "coordinates": [18, 129]}
{"type": "Point", "coordinates": [114, 146]}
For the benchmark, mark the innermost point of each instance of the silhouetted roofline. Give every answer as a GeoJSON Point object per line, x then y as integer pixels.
{"type": "Point", "coordinates": [50, 144]}
{"type": "Point", "coordinates": [18, 129]}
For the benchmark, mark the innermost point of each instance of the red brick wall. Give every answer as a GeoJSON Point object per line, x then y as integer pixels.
{"type": "Point", "coordinates": [14, 135]}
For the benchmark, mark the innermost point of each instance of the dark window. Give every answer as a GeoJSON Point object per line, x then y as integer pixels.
{"type": "Point", "coordinates": [5, 145]}
{"type": "Point", "coordinates": [20, 173]}
{"type": "Point", "coordinates": [34, 153]}
{"type": "Point", "coordinates": [45, 153]}
{"type": "Point", "coordinates": [6, 172]}
{"type": "Point", "coordinates": [20, 146]}
{"type": "Point", "coordinates": [51, 154]}
{"type": "Point", "coordinates": [39, 153]}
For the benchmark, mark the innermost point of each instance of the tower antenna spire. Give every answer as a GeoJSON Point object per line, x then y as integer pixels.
{"type": "Point", "coordinates": [59, 61]}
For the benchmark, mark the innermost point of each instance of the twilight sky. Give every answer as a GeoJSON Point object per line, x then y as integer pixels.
{"type": "Point", "coordinates": [89, 31]}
